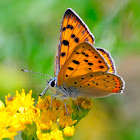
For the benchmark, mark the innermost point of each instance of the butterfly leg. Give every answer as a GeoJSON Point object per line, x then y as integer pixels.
{"type": "Point", "coordinates": [52, 99]}
{"type": "Point", "coordinates": [65, 104]}
{"type": "Point", "coordinates": [78, 105]}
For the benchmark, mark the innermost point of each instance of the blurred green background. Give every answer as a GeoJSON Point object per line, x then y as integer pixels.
{"type": "Point", "coordinates": [29, 34]}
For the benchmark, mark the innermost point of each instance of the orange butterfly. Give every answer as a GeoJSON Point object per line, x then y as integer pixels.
{"type": "Point", "coordinates": [81, 70]}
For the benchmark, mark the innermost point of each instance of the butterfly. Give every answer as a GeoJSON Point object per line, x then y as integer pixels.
{"type": "Point", "coordinates": [81, 70]}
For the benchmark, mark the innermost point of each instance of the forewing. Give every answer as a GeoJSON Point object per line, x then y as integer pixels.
{"type": "Point", "coordinates": [84, 59]}
{"type": "Point", "coordinates": [73, 31]}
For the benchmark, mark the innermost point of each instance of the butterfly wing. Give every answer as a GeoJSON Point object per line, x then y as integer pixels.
{"type": "Point", "coordinates": [73, 31]}
{"type": "Point", "coordinates": [83, 60]}
{"type": "Point", "coordinates": [95, 84]}
{"type": "Point", "coordinates": [106, 55]}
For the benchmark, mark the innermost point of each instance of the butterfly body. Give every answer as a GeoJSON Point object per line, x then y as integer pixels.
{"type": "Point", "coordinates": [62, 90]}
{"type": "Point", "coordinates": [81, 70]}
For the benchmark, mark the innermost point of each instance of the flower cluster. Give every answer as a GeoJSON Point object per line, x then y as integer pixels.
{"type": "Point", "coordinates": [39, 121]}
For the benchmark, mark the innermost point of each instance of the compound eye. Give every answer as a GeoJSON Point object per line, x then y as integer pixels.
{"type": "Point", "coordinates": [52, 83]}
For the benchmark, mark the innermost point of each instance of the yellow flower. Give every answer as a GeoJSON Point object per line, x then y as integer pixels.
{"type": "Point", "coordinates": [27, 115]}
{"type": "Point", "coordinates": [38, 121]}
{"type": "Point", "coordinates": [20, 100]}
{"type": "Point", "coordinates": [56, 104]}
{"type": "Point", "coordinates": [53, 119]}
{"type": "Point", "coordinates": [84, 103]}
{"type": "Point", "coordinates": [43, 103]}
{"type": "Point", "coordinates": [56, 135]}
{"type": "Point", "coordinates": [47, 118]}
{"type": "Point", "coordinates": [65, 120]}
{"type": "Point", "coordinates": [16, 124]}
{"type": "Point", "coordinates": [5, 133]}
{"type": "Point", "coordinates": [6, 122]}
{"type": "Point", "coordinates": [2, 106]}
{"type": "Point", "coordinates": [68, 131]}
{"type": "Point", "coordinates": [69, 108]}
{"type": "Point", "coordinates": [44, 125]}
{"type": "Point", "coordinates": [19, 111]}
{"type": "Point", "coordinates": [45, 121]}
{"type": "Point", "coordinates": [42, 136]}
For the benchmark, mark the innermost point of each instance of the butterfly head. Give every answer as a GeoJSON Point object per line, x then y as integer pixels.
{"type": "Point", "coordinates": [52, 83]}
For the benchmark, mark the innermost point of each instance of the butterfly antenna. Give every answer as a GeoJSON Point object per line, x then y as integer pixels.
{"type": "Point", "coordinates": [36, 73]}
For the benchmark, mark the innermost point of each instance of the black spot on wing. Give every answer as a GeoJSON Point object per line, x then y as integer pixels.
{"type": "Point", "coordinates": [65, 42]}
{"type": "Point", "coordinates": [101, 67]}
{"type": "Point", "coordinates": [90, 64]}
{"type": "Point", "coordinates": [76, 40]}
{"type": "Point", "coordinates": [70, 68]}
{"type": "Point", "coordinates": [63, 54]}
{"type": "Point", "coordinates": [64, 28]}
{"type": "Point", "coordinates": [86, 55]}
{"type": "Point", "coordinates": [73, 36]}
{"type": "Point", "coordinates": [69, 27]}
{"type": "Point", "coordinates": [75, 62]}
{"type": "Point", "coordinates": [86, 60]}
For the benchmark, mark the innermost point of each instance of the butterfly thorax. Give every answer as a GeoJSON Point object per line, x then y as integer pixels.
{"type": "Point", "coordinates": [61, 90]}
